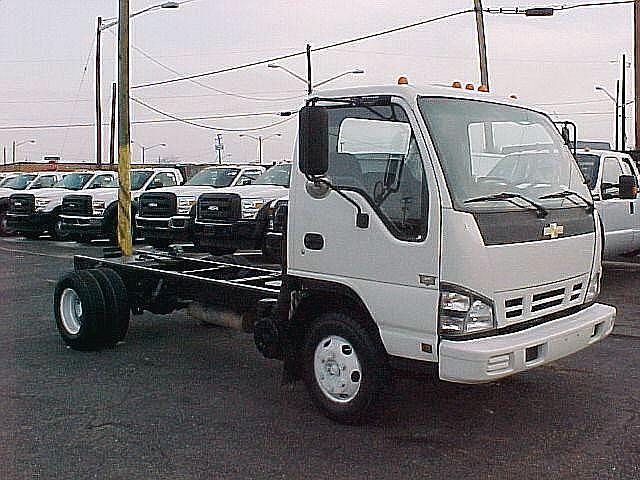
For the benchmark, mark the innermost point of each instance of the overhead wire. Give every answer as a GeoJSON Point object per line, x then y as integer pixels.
{"type": "Point", "coordinates": [302, 52]}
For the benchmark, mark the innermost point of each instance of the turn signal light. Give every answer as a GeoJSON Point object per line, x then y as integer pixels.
{"type": "Point", "coordinates": [456, 85]}
{"type": "Point", "coordinates": [483, 88]}
{"type": "Point", "coordinates": [469, 86]}
{"type": "Point", "coordinates": [403, 81]}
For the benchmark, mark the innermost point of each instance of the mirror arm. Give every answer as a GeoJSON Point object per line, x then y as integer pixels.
{"type": "Point", "coordinates": [362, 219]}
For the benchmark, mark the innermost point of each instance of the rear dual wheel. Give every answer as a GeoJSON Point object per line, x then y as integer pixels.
{"type": "Point", "coordinates": [91, 309]}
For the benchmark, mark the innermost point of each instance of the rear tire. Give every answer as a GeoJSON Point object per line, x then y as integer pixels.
{"type": "Point", "coordinates": [79, 309]}
{"type": "Point", "coordinates": [116, 302]}
{"type": "Point", "coordinates": [344, 367]}
{"type": "Point", "coordinates": [56, 230]}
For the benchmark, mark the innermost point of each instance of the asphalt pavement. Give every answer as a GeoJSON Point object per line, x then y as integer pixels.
{"type": "Point", "coordinates": [181, 400]}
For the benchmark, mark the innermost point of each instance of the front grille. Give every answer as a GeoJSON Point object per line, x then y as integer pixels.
{"type": "Point", "coordinates": [280, 217]}
{"type": "Point", "coordinates": [159, 205]}
{"type": "Point", "coordinates": [22, 204]}
{"type": "Point", "coordinates": [213, 207]}
{"type": "Point", "coordinates": [77, 205]}
{"type": "Point", "coordinates": [543, 302]}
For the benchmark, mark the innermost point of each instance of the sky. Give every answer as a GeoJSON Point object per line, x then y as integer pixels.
{"type": "Point", "coordinates": [47, 67]}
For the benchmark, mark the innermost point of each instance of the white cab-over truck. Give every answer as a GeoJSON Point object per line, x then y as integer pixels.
{"type": "Point", "coordinates": [400, 247]}
{"type": "Point", "coordinates": [94, 213]}
{"type": "Point", "coordinates": [164, 216]}
{"type": "Point", "coordinates": [613, 180]}
{"type": "Point", "coordinates": [34, 213]}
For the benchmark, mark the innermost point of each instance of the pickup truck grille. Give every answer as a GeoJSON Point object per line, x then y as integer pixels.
{"type": "Point", "coordinates": [77, 205]}
{"type": "Point", "coordinates": [213, 207]}
{"type": "Point", "coordinates": [22, 204]}
{"type": "Point", "coordinates": [158, 205]}
{"type": "Point", "coordinates": [280, 218]}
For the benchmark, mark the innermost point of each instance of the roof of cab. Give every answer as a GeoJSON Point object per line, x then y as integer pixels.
{"type": "Point", "coordinates": [410, 92]}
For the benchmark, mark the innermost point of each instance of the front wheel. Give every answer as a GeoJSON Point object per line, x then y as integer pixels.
{"type": "Point", "coordinates": [344, 367]}
{"type": "Point", "coordinates": [5, 231]}
{"type": "Point", "coordinates": [57, 230]}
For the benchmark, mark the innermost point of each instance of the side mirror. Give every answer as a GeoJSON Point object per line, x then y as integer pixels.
{"type": "Point", "coordinates": [628, 187]}
{"type": "Point", "coordinates": [313, 146]}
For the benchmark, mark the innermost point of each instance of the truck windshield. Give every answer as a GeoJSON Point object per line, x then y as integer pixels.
{"type": "Point", "coordinates": [74, 181]}
{"type": "Point", "coordinates": [138, 179]}
{"type": "Point", "coordinates": [20, 182]}
{"type": "Point", "coordinates": [487, 150]}
{"type": "Point", "coordinates": [214, 177]}
{"type": "Point", "coordinates": [589, 164]}
{"type": "Point", "coordinates": [276, 175]}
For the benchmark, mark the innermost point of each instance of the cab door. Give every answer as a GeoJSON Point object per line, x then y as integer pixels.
{"type": "Point", "coordinates": [629, 168]}
{"type": "Point", "coordinates": [616, 214]}
{"type": "Point", "coordinates": [379, 161]}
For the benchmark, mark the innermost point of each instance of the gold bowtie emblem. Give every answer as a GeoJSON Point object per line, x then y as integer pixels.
{"type": "Point", "coordinates": [553, 230]}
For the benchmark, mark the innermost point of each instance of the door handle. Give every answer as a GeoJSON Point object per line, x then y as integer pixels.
{"type": "Point", "coordinates": [314, 241]}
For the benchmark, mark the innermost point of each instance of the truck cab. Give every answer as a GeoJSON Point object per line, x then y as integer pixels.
{"type": "Point", "coordinates": [94, 214]}
{"type": "Point", "coordinates": [22, 182]}
{"type": "Point", "coordinates": [234, 218]}
{"type": "Point", "coordinates": [605, 172]}
{"type": "Point", "coordinates": [164, 215]}
{"type": "Point", "coordinates": [34, 213]}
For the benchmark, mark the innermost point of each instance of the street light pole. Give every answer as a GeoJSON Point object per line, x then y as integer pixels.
{"type": "Point", "coordinates": [482, 44]}
{"type": "Point", "coordinates": [623, 102]}
{"type": "Point", "coordinates": [124, 139]}
{"type": "Point", "coordinates": [260, 139]}
{"type": "Point", "coordinates": [98, 96]}
{"type": "Point", "coordinates": [615, 115]}
{"type": "Point", "coordinates": [636, 35]}
{"type": "Point", "coordinates": [616, 101]}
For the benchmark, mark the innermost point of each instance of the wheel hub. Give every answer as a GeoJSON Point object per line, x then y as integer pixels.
{"type": "Point", "coordinates": [71, 311]}
{"type": "Point", "coordinates": [337, 369]}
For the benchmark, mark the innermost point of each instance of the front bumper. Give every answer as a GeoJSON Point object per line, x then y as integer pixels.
{"type": "Point", "coordinates": [34, 222]}
{"type": "Point", "coordinates": [239, 234]}
{"type": "Point", "coordinates": [83, 226]}
{"type": "Point", "coordinates": [488, 359]}
{"type": "Point", "coordinates": [172, 228]}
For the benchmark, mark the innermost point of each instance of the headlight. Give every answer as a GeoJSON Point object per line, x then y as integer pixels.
{"type": "Point", "coordinates": [185, 204]}
{"type": "Point", "coordinates": [593, 290]}
{"type": "Point", "coordinates": [98, 207]}
{"type": "Point", "coordinates": [41, 203]}
{"type": "Point", "coordinates": [462, 313]}
{"type": "Point", "coordinates": [251, 206]}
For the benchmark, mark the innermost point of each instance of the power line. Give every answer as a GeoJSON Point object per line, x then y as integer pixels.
{"type": "Point", "coordinates": [302, 52]}
{"type": "Point", "coordinates": [210, 127]}
{"type": "Point", "coordinates": [523, 10]}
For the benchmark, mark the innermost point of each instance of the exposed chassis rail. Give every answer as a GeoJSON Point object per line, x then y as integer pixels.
{"type": "Point", "coordinates": [162, 283]}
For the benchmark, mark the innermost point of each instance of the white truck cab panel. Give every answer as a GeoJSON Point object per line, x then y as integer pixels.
{"type": "Point", "coordinates": [620, 217]}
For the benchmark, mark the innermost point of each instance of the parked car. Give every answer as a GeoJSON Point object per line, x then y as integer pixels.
{"type": "Point", "coordinates": [233, 218]}
{"type": "Point", "coordinates": [606, 173]}
{"type": "Point", "coordinates": [32, 214]}
{"type": "Point", "coordinates": [94, 214]}
{"type": "Point", "coordinates": [14, 183]}
{"type": "Point", "coordinates": [164, 215]}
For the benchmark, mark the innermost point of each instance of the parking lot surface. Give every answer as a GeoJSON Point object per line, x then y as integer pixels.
{"type": "Point", "coordinates": [181, 400]}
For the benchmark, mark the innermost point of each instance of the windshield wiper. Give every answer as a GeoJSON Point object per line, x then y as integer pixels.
{"type": "Point", "coordinates": [508, 197]}
{"type": "Point", "coordinates": [568, 194]}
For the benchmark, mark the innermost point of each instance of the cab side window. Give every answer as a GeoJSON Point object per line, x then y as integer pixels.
{"type": "Point", "coordinates": [45, 181]}
{"type": "Point", "coordinates": [167, 179]}
{"type": "Point", "coordinates": [611, 171]}
{"type": "Point", "coordinates": [373, 151]}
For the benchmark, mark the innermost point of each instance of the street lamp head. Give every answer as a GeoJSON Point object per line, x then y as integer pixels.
{"type": "Point", "coordinates": [599, 88]}
{"type": "Point", "coordinates": [163, 145]}
{"type": "Point", "coordinates": [170, 5]}
{"type": "Point", "coordinates": [539, 12]}
{"type": "Point", "coordinates": [273, 65]}
{"type": "Point", "coordinates": [357, 71]}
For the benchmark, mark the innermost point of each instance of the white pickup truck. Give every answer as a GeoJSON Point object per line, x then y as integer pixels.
{"type": "Point", "coordinates": [618, 207]}
{"type": "Point", "coordinates": [164, 215]}
{"type": "Point", "coordinates": [93, 213]}
{"type": "Point", "coordinates": [22, 182]}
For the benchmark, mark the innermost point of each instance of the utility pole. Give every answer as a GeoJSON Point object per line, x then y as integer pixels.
{"type": "Point", "coordinates": [309, 83]}
{"type": "Point", "coordinates": [482, 44]}
{"type": "Point", "coordinates": [4, 156]}
{"type": "Point", "coordinates": [260, 149]}
{"type": "Point", "coordinates": [112, 142]}
{"type": "Point", "coordinates": [124, 137]}
{"type": "Point", "coordinates": [13, 156]}
{"type": "Point", "coordinates": [636, 36]}
{"type": "Point", "coordinates": [616, 114]}
{"type": "Point", "coordinates": [623, 102]}
{"type": "Point", "coordinates": [98, 97]}
{"type": "Point", "coordinates": [219, 147]}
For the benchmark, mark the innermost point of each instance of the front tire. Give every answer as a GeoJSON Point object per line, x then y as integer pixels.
{"type": "Point", "coordinates": [57, 230]}
{"type": "Point", "coordinates": [344, 367]}
{"type": "Point", "coordinates": [5, 231]}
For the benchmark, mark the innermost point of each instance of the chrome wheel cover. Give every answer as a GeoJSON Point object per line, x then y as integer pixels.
{"type": "Point", "coordinates": [71, 311]}
{"type": "Point", "coordinates": [337, 369]}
